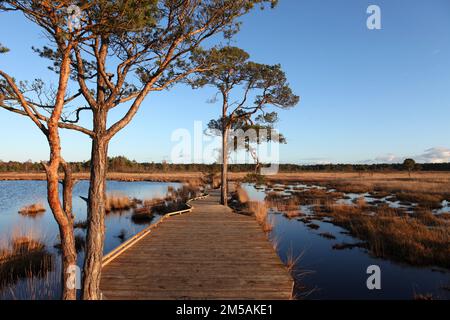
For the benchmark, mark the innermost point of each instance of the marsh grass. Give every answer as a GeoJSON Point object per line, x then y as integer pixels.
{"type": "Point", "coordinates": [353, 188]}
{"type": "Point", "coordinates": [118, 202]}
{"type": "Point", "coordinates": [260, 210]}
{"type": "Point", "coordinates": [361, 202]}
{"type": "Point", "coordinates": [317, 196]}
{"type": "Point", "coordinates": [418, 240]}
{"type": "Point", "coordinates": [189, 190]}
{"type": "Point", "coordinates": [292, 261]}
{"type": "Point", "coordinates": [290, 206]}
{"type": "Point", "coordinates": [142, 216]}
{"type": "Point", "coordinates": [80, 244]}
{"type": "Point", "coordinates": [174, 201]}
{"type": "Point", "coordinates": [327, 235]}
{"type": "Point", "coordinates": [242, 195]}
{"type": "Point", "coordinates": [429, 219]}
{"type": "Point", "coordinates": [82, 224]}
{"type": "Point", "coordinates": [418, 237]}
{"type": "Point", "coordinates": [292, 213]}
{"type": "Point", "coordinates": [24, 257]}
{"type": "Point", "coordinates": [33, 210]}
{"type": "Point", "coordinates": [413, 235]}
{"type": "Point", "coordinates": [424, 200]}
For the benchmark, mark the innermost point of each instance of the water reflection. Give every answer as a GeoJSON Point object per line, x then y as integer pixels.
{"type": "Point", "coordinates": [40, 278]}
{"type": "Point", "coordinates": [324, 272]}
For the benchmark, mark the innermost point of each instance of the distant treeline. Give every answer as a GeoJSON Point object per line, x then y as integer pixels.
{"type": "Point", "coordinates": [122, 164]}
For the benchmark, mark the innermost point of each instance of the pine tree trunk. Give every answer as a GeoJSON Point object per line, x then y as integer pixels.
{"type": "Point", "coordinates": [61, 212]}
{"type": "Point", "coordinates": [69, 253]}
{"type": "Point", "coordinates": [66, 234]}
{"type": "Point", "coordinates": [69, 259]}
{"type": "Point", "coordinates": [96, 210]}
{"type": "Point", "coordinates": [224, 187]}
{"type": "Point", "coordinates": [257, 166]}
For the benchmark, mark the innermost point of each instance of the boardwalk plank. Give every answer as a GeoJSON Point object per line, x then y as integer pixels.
{"type": "Point", "coordinates": [210, 253]}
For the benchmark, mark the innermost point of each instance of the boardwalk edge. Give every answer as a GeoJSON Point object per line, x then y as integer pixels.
{"type": "Point", "coordinates": [136, 238]}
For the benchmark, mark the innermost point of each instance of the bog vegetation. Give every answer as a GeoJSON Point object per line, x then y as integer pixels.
{"type": "Point", "coordinates": [392, 215]}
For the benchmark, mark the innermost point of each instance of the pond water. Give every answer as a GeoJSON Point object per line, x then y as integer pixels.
{"type": "Point", "coordinates": [322, 272]}
{"type": "Point", "coordinates": [14, 195]}
{"type": "Point", "coordinates": [325, 273]}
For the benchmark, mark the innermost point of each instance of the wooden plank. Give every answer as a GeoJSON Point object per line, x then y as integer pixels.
{"type": "Point", "coordinates": [209, 253]}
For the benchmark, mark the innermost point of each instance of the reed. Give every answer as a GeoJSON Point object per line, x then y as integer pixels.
{"type": "Point", "coordinates": [260, 211]}
{"type": "Point", "coordinates": [429, 201]}
{"type": "Point", "coordinates": [32, 210]}
{"type": "Point", "coordinates": [117, 202]}
{"type": "Point", "coordinates": [142, 216]}
{"type": "Point", "coordinates": [242, 195]}
{"type": "Point", "coordinates": [24, 256]}
{"type": "Point", "coordinates": [420, 239]}
{"type": "Point", "coordinates": [81, 224]}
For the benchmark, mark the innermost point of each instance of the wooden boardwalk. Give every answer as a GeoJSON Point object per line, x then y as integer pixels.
{"type": "Point", "coordinates": [209, 253]}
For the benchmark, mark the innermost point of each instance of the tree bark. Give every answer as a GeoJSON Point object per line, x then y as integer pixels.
{"type": "Point", "coordinates": [257, 166]}
{"type": "Point", "coordinates": [66, 232]}
{"type": "Point", "coordinates": [69, 259]}
{"type": "Point", "coordinates": [224, 187]}
{"type": "Point", "coordinates": [96, 210]}
{"type": "Point", "coordinates": [225, 128]}
{"type": "Point", "coordinates": [68, 237]}
{"type": "Point", "coordinates": [62, 217]}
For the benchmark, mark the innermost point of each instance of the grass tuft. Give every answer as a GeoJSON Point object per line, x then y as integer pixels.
{"type": "Point", "coordinates": [24, 257]}
{"type": "Point", "coordinates": [32, 210]}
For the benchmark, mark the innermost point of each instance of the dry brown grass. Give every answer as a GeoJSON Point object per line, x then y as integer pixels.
{"type": "Point", "coordinates": [434, 181]}
{"type": "Point", "coordinates": [24, 256]}
{"type": "Point", "coordinates": [317, 196]}
{"type": "Point", "coordinates": [82, 224]}
{"type": "Point", "coordinates": [361, 202]}
{"type": "Point", "coordinates": [291, 214]}
{"type": "Point", "coordinates": [118, 176]}
{"type": "Point", "coordinates": [32, 210]}
{"type": "Point", "coordinates": [417, 238]}
{"type": "Point", "coordinates": [145, 213]}
{"type": "Point", "coordinates": [289, 205]}
{"type": "Point", "coordinates": [242, 195]}
{"type": "Point", "coordinates": [188, 190]}
{"type": "Point", "coordinates": [399, 237]}
{"type": "Point", "coordinates": [142, 216]}
{"type": "Point", "coordinates": [429, 219]}
{"type": "Point", "coordinates": [174, 201]}
{"type": "Point", "coordinates": [355, 187]}
{"type": "Point", "coordinates": [260, 211]}
{"type": "Point", "coordinates": [292, 261]}
{"type": "Point", "coordinates": [429, 201]}
{"type": "Point", "coordinates": [392, 182]}
{"type": "Point", "coordinates": [117, 202]}
{"type": "Point", "coordinates": [151, 202]}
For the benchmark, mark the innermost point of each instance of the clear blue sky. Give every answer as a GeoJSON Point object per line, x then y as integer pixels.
{"type": "Point", "coordinates": [366, 95]}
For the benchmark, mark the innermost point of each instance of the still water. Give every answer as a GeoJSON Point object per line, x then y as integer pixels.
{"type": "Point", "coordinates": [14, 195]}
{"type": "Point", "coordinates": [321, 272]}
{"type": "Point", "coordinates": [325, 273]}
